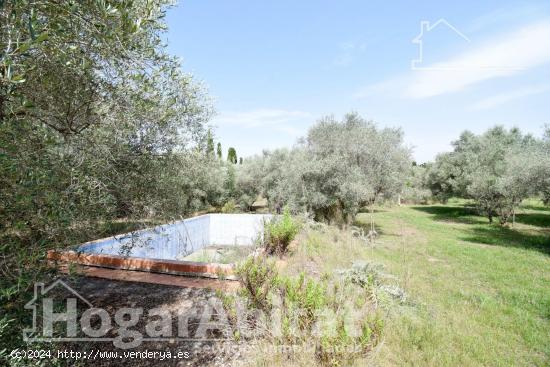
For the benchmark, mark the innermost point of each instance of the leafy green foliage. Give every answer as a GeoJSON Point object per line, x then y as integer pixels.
{"type": "Point", "coordinates": [415, 190]}
{"type": "Point", "coordinates": [100, 131]}
{"type": "Point", "coordinates": [314, 311]}
{"type": "Point", "coordinates": [219, 150]}
{"type": "Point", "coordinates": [279, 232]}
{"type": "Point", "coordinates": [498, 169]}
{"type": "Point", "coordinates": [229, 207]}
{"type": "Point", "coordinates": [338, 168]}
{"type": "Point", "coordinates": [230, 181]}
{"type": "Point", "coordinates": [232, 155]}
{"type": "Point", "coordinates": [209, 144]}
{"type": "Point", "coordinates": [258, 277]}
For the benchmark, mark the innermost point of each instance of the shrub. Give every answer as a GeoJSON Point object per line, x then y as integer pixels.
{"type": "Point", "coordinates": [279, 232]}
{"type": "Point", "coordinates": [229, 207]}
{"type": "Point", "coordinates": [258, 277]}
{"type": "Point", "coordinates": [306, 297]}
{"type": "Point", "coordinates": [365, 275]}
{"type": "Point", "coordinates": [317, 312]}
{"type": "Point", "coordinates": [373, 279]}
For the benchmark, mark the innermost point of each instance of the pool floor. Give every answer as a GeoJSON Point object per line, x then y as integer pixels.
{"type": "Point", "coordinates": [220, 254]}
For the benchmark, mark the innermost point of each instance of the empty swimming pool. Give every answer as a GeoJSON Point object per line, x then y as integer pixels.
{"type": "Point", "coordinates": [164, 248]}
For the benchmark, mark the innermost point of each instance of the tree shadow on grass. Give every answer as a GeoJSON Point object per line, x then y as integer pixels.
{"type": "Point", "coordinates": [534, 219]}
{"type": "Point", "coordinates": [508, 237]}
{"type": "Point", "coordinates": [453, 214]}
{"type": "Point", "coordinates": [468, 215]}
{"type": "Point", "coordinates": [539, 208]}
{"type": "Point", "coordinates": [483, 232]}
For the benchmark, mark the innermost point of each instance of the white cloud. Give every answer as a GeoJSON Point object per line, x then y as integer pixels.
{"type": "Point", "coordinates": [501, 56]}
{"type": "Point", "coordinates": [289, 122]}
{"type": "Point", "coordinates": [261, 118]}
{"type": "Point", "coordinates": [503, 98]}
{"type": "Point", "coordinates": [290, 130]}
{"type": "Point", "coordinates": [348, 51]}
{"type": "Point", "coordinates": [508, 55]}
{"type": "Point", "coordinates": [506, 15]}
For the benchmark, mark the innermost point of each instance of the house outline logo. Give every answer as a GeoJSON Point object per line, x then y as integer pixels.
{"type": "Point", "coordinates": [426, 27]}
{"type": "Point", "coordinates": [40, 290]}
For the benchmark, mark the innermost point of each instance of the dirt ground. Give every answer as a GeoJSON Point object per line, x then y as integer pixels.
{"type": "Point", "coordinates": [112, 295]}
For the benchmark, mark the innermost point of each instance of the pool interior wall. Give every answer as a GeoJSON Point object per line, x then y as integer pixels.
{"type": "Point", "coordinates": [179, 239]}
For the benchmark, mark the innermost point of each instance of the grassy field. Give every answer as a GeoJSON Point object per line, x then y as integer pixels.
{"type": "Point", "coordinates": [479, 293]}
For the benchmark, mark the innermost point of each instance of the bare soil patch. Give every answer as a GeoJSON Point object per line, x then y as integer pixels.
{"type": "Point", "coordinates": [112, 295]}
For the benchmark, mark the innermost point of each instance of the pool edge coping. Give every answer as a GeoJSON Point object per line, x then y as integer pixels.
{"type": "Point", "coordinates": [162, 266]}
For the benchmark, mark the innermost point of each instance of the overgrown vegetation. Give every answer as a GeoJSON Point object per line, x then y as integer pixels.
{"type": "Point", "coordinates": [279, 232]}
{"type": "Point", "coordinates": [333, 320]}
{"type": "Point", "coordinates": [446, 283]}
{"type": "Point", "coordinates": [258, 277]}
{"type": "Point", "coordinates": [100, 131]}
{"type": "Point", "coordinates": [478, 291]}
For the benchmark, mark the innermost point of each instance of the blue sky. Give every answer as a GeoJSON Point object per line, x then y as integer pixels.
{"type": "Point", "coordinates": [274, 68]}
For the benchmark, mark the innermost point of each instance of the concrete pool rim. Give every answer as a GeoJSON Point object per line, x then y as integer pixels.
{"type": "Point", "coordinates": [163, 266]}
{"type": "Point", "coordinates": [154, 264]}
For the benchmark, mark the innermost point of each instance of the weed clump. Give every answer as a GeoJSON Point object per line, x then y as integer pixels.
{"type": "Point", "coordinates": [364, 274]}
{"type": "Point", "coordinates": [279, 232]}
{"type": "Point", "coordinates": [258, 277]}
{"type": "Point", "coordinates": [335, 316]}
{"type": "Point", "coordinates": [371, 276]}
{"type": "Point", "coordinates": [229, 207]}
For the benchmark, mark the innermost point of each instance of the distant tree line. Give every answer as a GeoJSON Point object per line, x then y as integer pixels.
{"type": "Point", "coordinates": [497, 170]}
{"type": "Point", "coordinates": [231, 152]}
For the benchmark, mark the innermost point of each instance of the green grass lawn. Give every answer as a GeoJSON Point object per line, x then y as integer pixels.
{"type": "Point", "coordinates": [480, 293]}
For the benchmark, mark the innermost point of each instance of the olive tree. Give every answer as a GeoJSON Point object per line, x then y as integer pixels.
{"type": "Point", "coordinates": [376, 159]}
{"type": "Point", "coordinates": [415, 189]}
{"type": "Point", "coordinates": [497, 169]}
{"type": "Point", "coordinates": [542, 174]}
{"type": "Point", "coordinates": [337, 168]}
{"type": "Point", "coordinates": [97, 123]}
